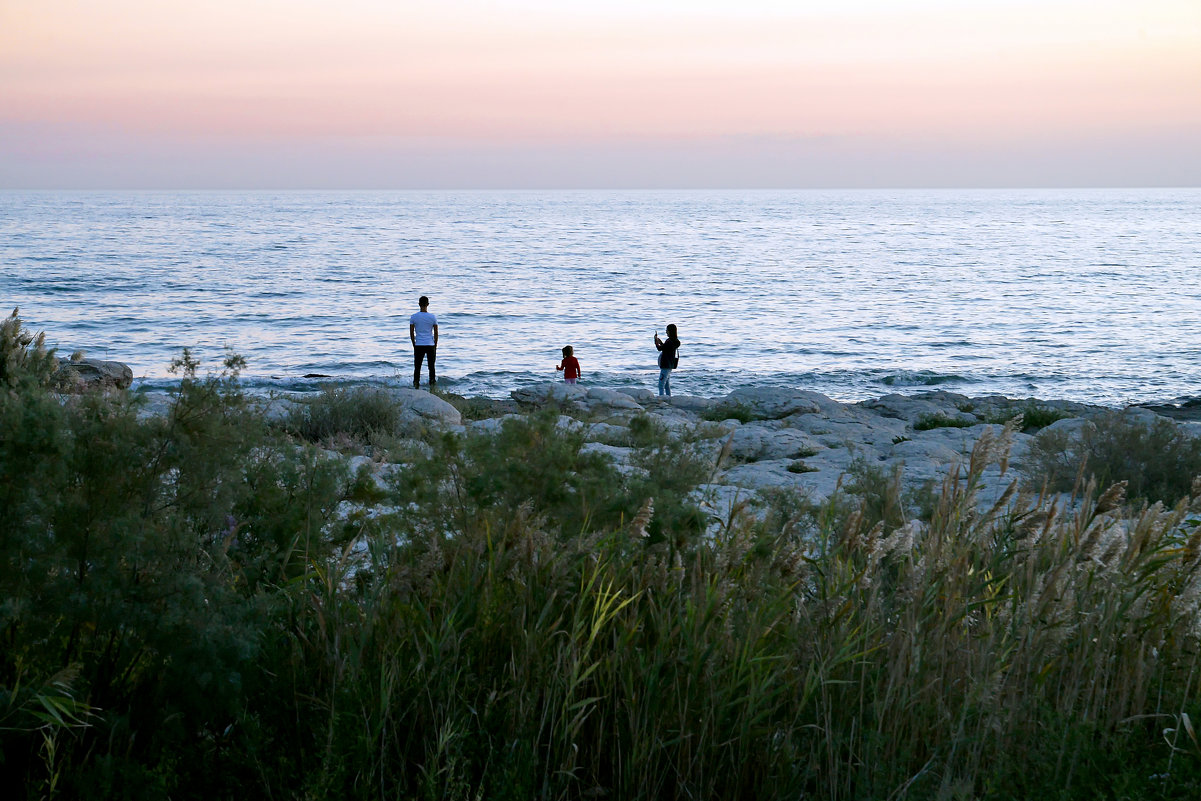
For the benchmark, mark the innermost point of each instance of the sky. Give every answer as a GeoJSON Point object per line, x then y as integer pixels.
{"type": "Point", "coordinates": [461, 94]}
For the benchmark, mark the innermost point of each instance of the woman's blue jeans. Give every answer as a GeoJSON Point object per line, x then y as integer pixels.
{"type": "Point", "coordinates": [665, 381]}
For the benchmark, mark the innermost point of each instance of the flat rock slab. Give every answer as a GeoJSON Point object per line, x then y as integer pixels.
{"type": "Point", "coordinates": [611, 398]}
{"type": "Point", "coordinates": [912, 408]}
{"type": "Point", "coordinates": [548, 392]}
{"type": "Point", "coordinates": [772, 403]}
{"type": "Point", "coordinates": [690, 403]}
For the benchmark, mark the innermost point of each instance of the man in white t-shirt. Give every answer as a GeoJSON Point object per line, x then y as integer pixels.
{"type": "Point", "coordinates": [423, 332]}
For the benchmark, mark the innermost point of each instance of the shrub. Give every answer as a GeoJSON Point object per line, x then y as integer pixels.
{"type": "Point", "coordinates": [1033, 416]}
{"type": "Point", "coordinates": [1157, 460]}
{"type": "Point", "coordinates": [133, 553]}
{"type": "Point", "coordinates": [353, 413]}
{"type": "Point", "coordinates": [480, 408]}
{"type": "Point", "coordinates": [24, 358]}
{"type": "Point", "coordinates": [880, 494]}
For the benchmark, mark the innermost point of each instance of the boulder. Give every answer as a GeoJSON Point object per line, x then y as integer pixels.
{"type": "Point", "coordinates": [90, 374]}
{"type": "Point", "coordinates": [753, 441]}
{"type": "Point", "coordinates": [817, 484]}
{"type": "Point", "coordinates": [611, 398]}
{"type": "Point", "coordinates": [419, 406]}
{"type": "Point", "coordinates": [491, 425]}
{"type": "Point", "coordinates": [690, 403]}
{"type": "Point", "coordinates": [277, 409]}
{"type": "Point", "coordinates": [719, 501]}
{"type": "Point", "coordinates": [544, 393]}
{"type": "Point", "coordinates": [619, 456]}
{"type": "Point", "coordinates": [926, 449]}
{"type": "Point", "coordinates": [1141, 416]}
{"type": "Point", "coordinates": [638, 394]}
{"type": "Point", "coordinates": [912, 408]}
{"type": "Point", "coordinates": [607, 432]}
{"type": "Point", "coordinates": [761, 475]}
{"type": "Point", "coordinates": [1069, 426]}
{"type": "Point", "coordinates": [773, 403]}
{"type": "Point", "coordinates": [154, 404]}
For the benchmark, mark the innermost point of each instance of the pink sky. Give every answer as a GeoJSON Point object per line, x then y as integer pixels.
{"type": "Point", "coordinates": [471, 93]}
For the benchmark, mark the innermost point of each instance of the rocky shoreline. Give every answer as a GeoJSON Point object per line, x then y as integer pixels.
{"type": "Point", "coordinates": [760, 436]}
{"type": "Point", "coordinates": [772, 436]}
{"type": "Point", "coordinates": [765, 437]}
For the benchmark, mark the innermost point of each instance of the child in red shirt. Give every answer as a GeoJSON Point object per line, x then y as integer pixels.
{"type": "Point", "coordinates": [570, 366]}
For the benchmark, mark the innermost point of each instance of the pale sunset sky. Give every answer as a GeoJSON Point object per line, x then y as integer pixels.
{"type": "Point", "coordinates": [654, 93]}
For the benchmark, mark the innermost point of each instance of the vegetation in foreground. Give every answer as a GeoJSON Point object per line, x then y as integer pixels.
{"type": "Point", "coordinates": [204, 605]}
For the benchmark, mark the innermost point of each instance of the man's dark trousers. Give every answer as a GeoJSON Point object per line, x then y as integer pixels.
{"type": "Point", "coordinates": [423, 352]}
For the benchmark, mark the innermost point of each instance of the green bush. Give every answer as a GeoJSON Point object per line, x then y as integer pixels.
{"type": "Point", "coordinates": [132, 556]}
{"type": "Point", "coordinates": [1033, 416]}
{"type": "Point", "coordinates": [356, 414]}
{"type": "Point", "coordinates": [1157, 460]}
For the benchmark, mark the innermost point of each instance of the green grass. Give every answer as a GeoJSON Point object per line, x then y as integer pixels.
{"type": "Point", "coordinates": [729, 411]}
{"type": "Point", "coordinates": [345, 414]}
{"type": "Point", "coordinates": [931, 421]}
{"type": "Point", "coordinates": [1034, 417]}
{"type": "Point", "coordinates": [480, 408]}
{"type": "Point", "coordinates": [189, 610]}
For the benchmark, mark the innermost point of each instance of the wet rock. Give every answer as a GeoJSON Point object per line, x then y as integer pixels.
{"type": "Point", "coordinates": [85, 375]}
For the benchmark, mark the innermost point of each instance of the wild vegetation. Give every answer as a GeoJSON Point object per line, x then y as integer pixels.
{"type": "Point", "coordinates": [1157, 461]}
{"type": "Point", "coordinates": [203, 604]}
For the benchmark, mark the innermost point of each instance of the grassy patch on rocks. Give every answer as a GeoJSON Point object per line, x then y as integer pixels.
{"type": "Point", "coordinates": [479, 408]}
{"type": "Point", "coordinates": [729, 411]}
{"type": "Point", "coordinates": [929, 422]}
{"type": "Point", "coordinates": [344, 414]}
{"type": "Point", "coordinates": [1034, 417]}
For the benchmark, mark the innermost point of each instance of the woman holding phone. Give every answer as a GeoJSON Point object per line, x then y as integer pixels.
{"type": "Point", "coordinates": [668, 360]}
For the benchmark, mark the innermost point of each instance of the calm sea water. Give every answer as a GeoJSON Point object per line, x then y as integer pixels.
{"type": "Point", "coordinates": [1091, 295]}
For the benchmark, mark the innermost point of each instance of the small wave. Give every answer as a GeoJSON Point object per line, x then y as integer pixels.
{"type": "Point", "coordinates": [922, 378]}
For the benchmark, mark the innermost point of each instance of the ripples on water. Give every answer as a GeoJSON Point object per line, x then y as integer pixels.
{"type": "Point", "coordinates": [1086, 294]}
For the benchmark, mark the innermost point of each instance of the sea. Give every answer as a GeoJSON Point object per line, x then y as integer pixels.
{"type": "Point", "coordinates": [1092, 295]}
